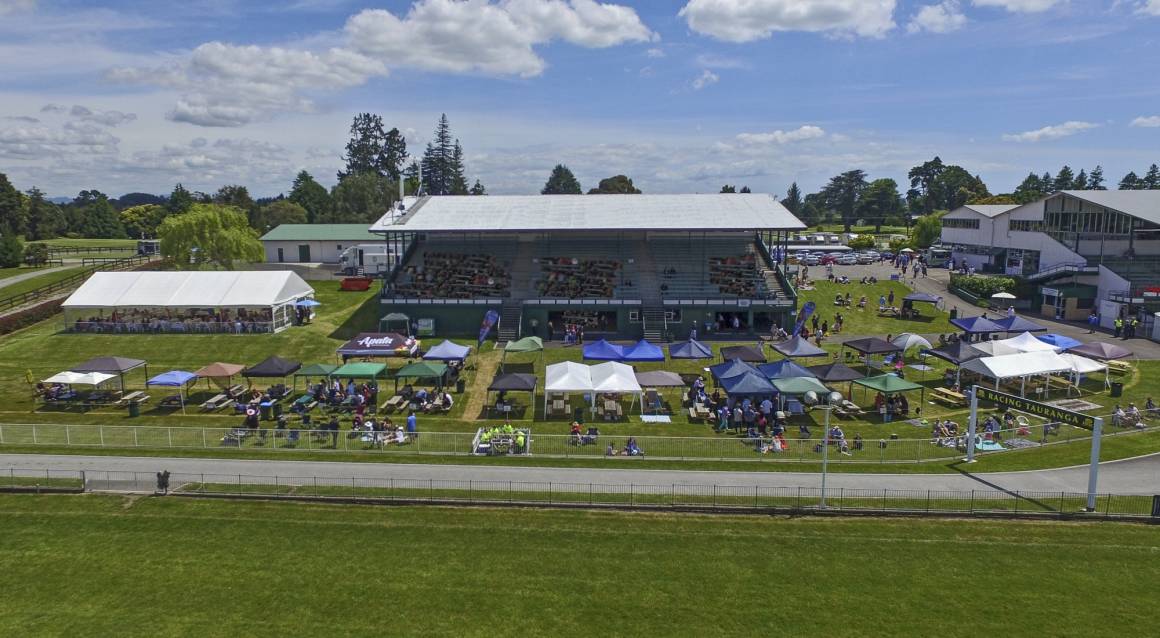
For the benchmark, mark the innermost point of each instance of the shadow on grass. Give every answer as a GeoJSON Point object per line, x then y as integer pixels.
{"type": "Point", "coordinates": [365, 318]}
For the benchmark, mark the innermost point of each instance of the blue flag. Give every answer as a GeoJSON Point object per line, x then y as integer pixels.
{"type": "Point", "coordinates": [489, 321]}
{"type": "Point", "coordinates": [805, 313]}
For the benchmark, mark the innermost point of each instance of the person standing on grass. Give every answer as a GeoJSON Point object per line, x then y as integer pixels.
{"type": "Point", "coordinates": [412, 426]}
{"type": "Point", "coordinates": [1093, 321]}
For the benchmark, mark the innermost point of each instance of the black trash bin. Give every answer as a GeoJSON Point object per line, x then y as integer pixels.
{"type": "Point", "coordinates": [954, 313]}
{"type": "Point", "coordinates": [578, 415]}
{"type": "Point", "coordinates": [1117, 389]}
{"type": "Point", "coordinates": [134, 408]}
{"type": "Point", "coordinates": [460, 385]}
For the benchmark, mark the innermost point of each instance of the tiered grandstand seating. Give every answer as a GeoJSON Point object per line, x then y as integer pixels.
{"type": "Point", "coordinates": [586, 270]}
{"type": "Point", "coordinates": [438, 271]}
{"type": "Point", "coordinates": [729, 267]}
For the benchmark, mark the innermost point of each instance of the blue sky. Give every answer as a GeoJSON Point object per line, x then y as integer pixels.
{"type": "Point", "coordinates": [682, 95]}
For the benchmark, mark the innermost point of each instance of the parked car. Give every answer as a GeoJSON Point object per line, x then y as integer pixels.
{"type": "Point", "coordinates": [865, 258]}
{"type": "Point", "coordinates": [847, 260]}
{"type": "Point", "coordinates": [886, 254]}
{"type": "Point", "coordinates": [827, 259]}
{"type": "Point", "coordinates": [813, 260]}
{"type": "Point", "coordinates": [874, 254]}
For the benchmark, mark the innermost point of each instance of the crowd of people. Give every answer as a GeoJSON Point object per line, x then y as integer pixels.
{"type": "Point", "coordinates": [225, 320]}
{"type": "Point", "coordinates": [736, 275]}
{"type": "Point", "coordinates": [573, 278]}
{"type": "Point", "coordinates": [446, 275]}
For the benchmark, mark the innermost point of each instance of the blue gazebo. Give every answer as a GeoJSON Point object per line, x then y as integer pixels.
{"type": "Point", "coordinates": [784, 369]}
{"type": "Point", "coordinates": [691, 349]}
{"type": "Point", "coordinates": [603, 351]}
{"type": "Point", "coordinates": [643, 351]}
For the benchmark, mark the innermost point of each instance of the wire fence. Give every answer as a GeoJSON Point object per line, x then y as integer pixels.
{"type": "Point", "coordinates": [790, 449]}
{"type": "Point", "coordinates": [655, 496]}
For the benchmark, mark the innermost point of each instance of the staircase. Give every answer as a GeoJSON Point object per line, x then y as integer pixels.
{"type": "Point", "coordinates": [653, 319]}
{"type": "Point", "coordinates": [769, 275]}
{"type": "Point", "coordinates": [647, 282]}
{"type": "Point", "coordinates": [510, 317]}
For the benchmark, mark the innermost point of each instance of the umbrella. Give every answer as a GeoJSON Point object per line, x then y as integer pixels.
{"type": "Point", "coordinates": [907, 340]}
{"type": "Point", "coordinates": [1003, 295]}
{"type": "Point", "coordinates": [307, 303]}
{"type": "Point", "coordinates": [906, 250]}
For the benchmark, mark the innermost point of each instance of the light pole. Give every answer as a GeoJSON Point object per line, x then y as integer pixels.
{"type": "Point", "coordinates": [832, 398]}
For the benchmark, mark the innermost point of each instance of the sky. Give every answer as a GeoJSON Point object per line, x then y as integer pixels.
{"type": "Point", "coordinates": [681, 95]}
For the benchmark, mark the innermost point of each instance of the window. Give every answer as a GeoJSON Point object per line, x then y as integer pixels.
{"type": "Point", "coordinates": [1027, 225]}
{"type": "Point", "coordinates": [972, 224]}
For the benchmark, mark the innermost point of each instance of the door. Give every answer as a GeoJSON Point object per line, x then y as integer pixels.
{"type": "Point", "coordinates": [361, 261]}
{"type": "Point", "coordinates": [304, 252]}
{"type": "Point", "coordinates": [281, 256]}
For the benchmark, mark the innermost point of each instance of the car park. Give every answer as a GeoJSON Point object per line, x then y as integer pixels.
{"type": "Point", "coordinates": [865, 258]}
{"type": "Point", "coordinates": [813, 260]}
{"type": "Point", "coordinates": [847, 260]}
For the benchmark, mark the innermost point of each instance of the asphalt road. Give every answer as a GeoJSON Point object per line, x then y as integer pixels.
{"type": "Point", "coordinates": [1131, 476]}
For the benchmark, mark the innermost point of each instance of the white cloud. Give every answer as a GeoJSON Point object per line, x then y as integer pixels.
{"type": "Point", "coordinates": [807, 132]}
{"type": "Point", "coordinates": [938, 18]}
{"type": "Point", "coordinates": [40, 142]}
{"type": "Point", "coordinates": [108, 118]}
{"type": "Point", "coordinates": [707, 78]}
{"type": "Point", "coordinates": [1050, 132]}
{"type": "Point", "coordinates": [1150, 7]}
{"type": "Point", "coordinates": [499, 39]}
{"type": "Point", "coordinates": [27, 119]}
{"type": "Point", "coordinates": [655, 53]}
{"type": "Point", "coordinates": [16, 6]}
{"type": "Point", "coordinates": [1147, 121]}
{"type": "Point", "coordinates": [1018, 6]}
{"type": "Point", "coordinates": [747, 20]}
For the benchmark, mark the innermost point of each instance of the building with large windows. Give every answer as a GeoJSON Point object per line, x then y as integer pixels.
{"type": "Point", "coordinates": [1085, 250]}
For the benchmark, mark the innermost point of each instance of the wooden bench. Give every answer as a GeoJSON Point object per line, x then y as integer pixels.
{"type": "Point", "coordinates": [1119, 367]}
{"type": "Point", "coordinates": [948, 396]}
{"type": "Point", "coordinates": [216, 403]}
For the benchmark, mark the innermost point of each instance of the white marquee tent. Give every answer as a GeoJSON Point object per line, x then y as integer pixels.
{"type": "Point", "coordinates": [80, 378]}
{"type": "Point", "coordinates": [275, 291]}
{"type": "Point", "coordinates": [1021, 366]}
{"type": "Point", "coordinates": [569, 376]}
{"type": "Point", "coordinates": [1027, 342]}
{"type": "Point", "coordinates": [995, 348]}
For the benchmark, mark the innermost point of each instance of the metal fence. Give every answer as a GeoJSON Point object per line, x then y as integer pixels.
{"type": "Point", "coordinates": [654, 496]}
{"type": "Point", "coordinates": [727, 448]}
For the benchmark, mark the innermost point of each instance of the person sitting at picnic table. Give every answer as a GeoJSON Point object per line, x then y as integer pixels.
{"type": "Point", "coordinates": [890, 409]}
{"type": "Point", "coordinates": [251, 420]}
{"type": "Point", "coordinates": [631, 448]}
{"type": "Point", "coordinates": [1134, 417]}
{"type": "Point", "coordinates": [839, 437]}
{"type": "Point", "coordinates": [903, 405]}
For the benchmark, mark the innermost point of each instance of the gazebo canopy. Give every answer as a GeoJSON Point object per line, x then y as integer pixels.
{"type": "Point", "coordinates": [691, 349]}
{"type": "Point", "coordinates": [603, 351]}
{"type": "Point", "coordinates": [732, 368]}
{"type": "Point", "coordinates": [784, 369]}
{"type": "Point", "coordinates": [908, 340]}
{"type": "Point", "coordinates": [955, 353]}
{"type": "Point", "coordinates": [995, 348]}
{"type": "Point", "coordinates": [1019, 324]}
{"type": "Point", "coordinates": [116, 365]}
{"type": "Point", "coordinates": [1063, 342]}
{"type": "Point", "coordinates": [1083, 365]}
{"type": "Point", "coordinates": [747, 384]}
{"type": "Point", "coordinates": [513, 382]}
{"type": "Point", "coordinates": [977, 325]}
{"type": "Point", "coordinates": [1019, 365]}
{"type": "Point", "coordinates": [834, 372]}
{"type": "Point", "coordinates": [361, 370]}
{"type": "Point", "coordinates": [888, 384]}
{"type": "Point", "coordinates": [421, 370]}
{"type": "Point", "coordinates": [660, 379]}
{"type": "Point", "coordinates": [316, 370]}
{"type": "Point", "coordinates": [799, 385]}
{"type": "Point", "coordinates": [568, 376]}
{"type": "Point", "coordinates": [219, 370]}
{"type": "Point", "coordinates": [643, 351]}
{"type": "Point", "coordinates": [872, 345]}
{"type": "Point", "coordinates": [173, 378]}
{"type": "Point", "coordinates": [80, 378]}
{"type": "Point", "coordinates": [1102, 351]}
{"type": "Point", "coordinates": [527, 344]}
{"type": "Point", "coordinates": [1026, 342]}
{"type": "Point", "coordinates": [798, 347]}
{"type": "Point", "coordinates": [613, 376]}
{"type": "Point", "coordinates": [922, 297]}
{"type": "Point", "coordinates": [744, 353]}
{"type": "Point", "coordinates": [447, 351]}
{"type": "Point", "coordinates": [273, 367]}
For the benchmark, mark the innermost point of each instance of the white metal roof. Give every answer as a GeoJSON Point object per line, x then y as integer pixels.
{"type": "Point", "coordinates": [991, 210]}
{"type": "Point", "coordinates": [494, 213]}
{"type": "Point", "coordinates": [150, 289]}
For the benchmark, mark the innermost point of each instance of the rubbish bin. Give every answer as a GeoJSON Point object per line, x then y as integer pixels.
{"type": "Point", "coordinates": [460, 385]}
{"type": "Point", "coordinates": [266, 411]}
{"type": "Point", "coordinates": [954, 313]}
{"type": "Point", "coordinates": [1117, 389]}
{"type": "Point", "coordinates": [277, 409]}
{"type": "Point", "coordinates": [134, 408]}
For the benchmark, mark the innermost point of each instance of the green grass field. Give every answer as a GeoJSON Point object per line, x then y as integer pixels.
{"type": "Point", "coordinates": [65, 242]}
{"type": "Point", "coordinates": [33, 283]}
{"type": "Point", "coordinates": [102, 565]}
{"type": "Point", "coordinates": [867, 322]}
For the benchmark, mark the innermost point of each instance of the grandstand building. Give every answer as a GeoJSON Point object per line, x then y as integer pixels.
{"type": "Point", "coordinates": [1084, 249]}
{"type": "Point", "coordinates": [621, 265]}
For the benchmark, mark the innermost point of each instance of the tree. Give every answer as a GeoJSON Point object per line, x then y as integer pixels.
{"type": "Point", "coordinates": [129, 200]}
{"type": "Point", "coordinates": [954, 187]}
{"type": "Point", "coordinates": [842, 193]}
{"type": "Point", "coordinates": [142, 221]}
{"type": "Point", "coordinates": [238, 197]}
{"type": "Point", "coordinates": [179, 200]}
{"type": "Point", "coordinates": [278, 212]}
{"type": "Point", "coordinates": [793, 199]}
{"type": "Point", "coordinates": [561, 182]}
{"type": "Point", "coordinates": [411, 181]}
{"type": "Point", "coordinates": [361, 198]}
{"type": "Point", "coordinates": [456, 171]}
{"type": "Point", "coordinates": [880, 201]}
{"type": "Point", "coordinates": [927, 231]}
{"type": "Point", "coordinates": [615, 185]}
{"type": "Point", "coordinates": [1131, 182]}
{"type": "Point", "coordinates": [96, 217]}
{"type": "Point", "coordinates": [997, 199]}
{"type": "Point", "coordinates": [922, 178]}
{"type": "Point", "coordinates": [728, 189]}
{"type": "Point", "coordinates": [209, 234]}
{"type": "Point", "coordinates": [1064, 179]}
{"type": "Point", "coordinates": [45, 220]}
{"type": "Point", "coordinates": [311, 196]}
{"type": "Point", "coordinates": [11, 250]}
{"type": "Point", "coordinates": [437, 160]}
{"type": "Point", "coordinates": [394, 155]}
{"type": "Point", "coordinates": [1096, 179]}
{"type": "Point", "coordinates": [478, 188]}
{"type": "Point", "coordinates": [1047, 183]}
{"type": "Point", "coordinates": [1152, 178]}
{"type": "Point", "coordinates": [12, 212]}
{"type": "Point", "coordinates": [373, 149]}
{"type": "Point", "coordinates": [35, 254]}
{"type": "Point", "coordinates": [745, 190]}
{"type": "Point", "coordinates": [1030, 190]}
{"type": "Point", "coordinates": [1080, 182]}
{"type": "Point", "coordinates": [813, 209]}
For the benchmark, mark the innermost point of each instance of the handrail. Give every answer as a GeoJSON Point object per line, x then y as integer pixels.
{"type": "Point", "coordinates": [1078, 265]}
{"type": "Point", "coordinates": [70, 282]}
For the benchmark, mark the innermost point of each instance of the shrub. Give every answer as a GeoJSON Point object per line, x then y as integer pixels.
{"type": "Point", "coordinates": [981, 286]}
{"type": "Point", "coordinates": [861, 242]}
{"type": "Point", "coordinates": [29, 316]}
{"type": "Point", "coordinates": [35, 254]}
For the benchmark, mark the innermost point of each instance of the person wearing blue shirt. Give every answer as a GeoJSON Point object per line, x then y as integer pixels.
{"type": "Point", "coordinates": [412, 425]}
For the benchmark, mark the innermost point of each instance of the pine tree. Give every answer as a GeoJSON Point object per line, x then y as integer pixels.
{"type": "Point", "coordinates": [312, 196]}
{"type": "Point", "coordinates": [458, 178]}
{"type": "Point", "coordinates": [1064, 180]}
{"type": "Point", "coordinates": [745, 189]}
{"type": "Point", "coordinates": [179, 200]}
{"type": "Point", "coordinates": [411, 178]}
{"type": "Point", "coordinates": [394, 155]}
{"type": "Point", "coordinates": [728, 189]}
{"type": "Point", "coordinates": [437, 173]}
{"type": "Point", "coordinates": [561, 182]}
{"type": "Point", "coordinates": [99, 219]}
{"type": "Point", "coordinates": [365, 148]}
{"type": "Point", "coordinates": [1047, 183]}
{"type": "Point", "coordinates": [1131, 182]}
{"type": "Point", "coordinates": [1029, 190]}
{"type": "Point", "coordinates": [11, 208]}
{"type": "Point", "coordinates": [1080, 182]}
{"type": "Point", "coordinates": [1152, 178]}
{"type": "Point", "coordinates": [793, 199]}
{"type": "Point", "coordinates": [1096, 179]}
{"type": "Point", "coordinates": [45, 220]}
{"type": "Point", "coordinates": [478, 188]}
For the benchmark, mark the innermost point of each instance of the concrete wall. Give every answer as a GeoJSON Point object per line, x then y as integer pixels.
{"type": "Point", "coordinates": [326, 252]}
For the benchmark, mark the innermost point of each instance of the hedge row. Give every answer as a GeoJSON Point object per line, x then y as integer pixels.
{"type": "Point", "coordinates": [983, 286]}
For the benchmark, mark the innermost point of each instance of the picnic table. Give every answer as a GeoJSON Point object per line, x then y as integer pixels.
{"type": "Point", "coordinates": [949, 396]}
{"type": "Point", "coordinates": [1121, 367]}
{"type": "Point", "coordinates": [889, 311]}
{"type": "Point", "coordinates": [137, 395]}
{"type": "Point", "coordinates": [217, 402]}
{"type": "Point", "coordinates": [611, 410]}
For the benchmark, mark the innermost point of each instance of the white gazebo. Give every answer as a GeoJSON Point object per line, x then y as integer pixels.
{"type": "Point", "coordinates": [1018, 366]}
{"type": "Point", "coordinates": [197, 301]}
{"type": "Point", "coordinates": [567, 377]}
{"type": "Point", "coordinates": [617, 378]}
{"type": "Point", "coordinates": [1027, 342]}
